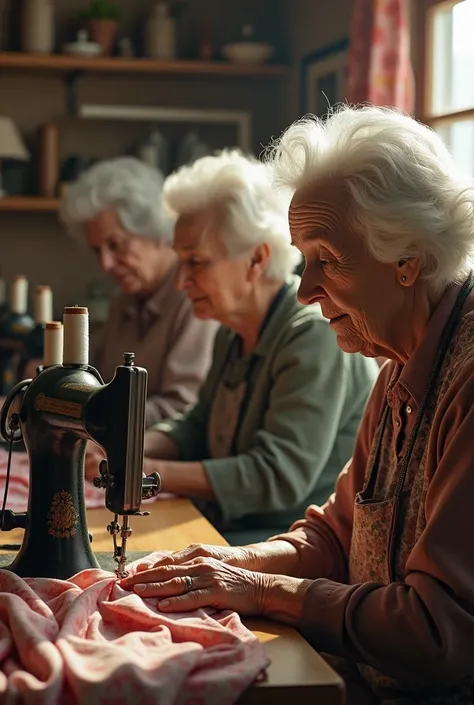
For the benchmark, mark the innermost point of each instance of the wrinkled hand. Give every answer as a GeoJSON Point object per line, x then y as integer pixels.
{"type": "Point", "coordinates": [202, 582]}
{"type": "Point", "coordinates": [94, 455]}
{"type": "Point", "coordinates": [239, 556]}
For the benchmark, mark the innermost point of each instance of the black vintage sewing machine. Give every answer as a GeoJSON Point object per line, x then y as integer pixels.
{"type": "Point", "coordinates": [60, 409]}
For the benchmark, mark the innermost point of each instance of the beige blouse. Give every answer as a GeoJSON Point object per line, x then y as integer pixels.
{"type": "Point", "coordinates": [173, 345]}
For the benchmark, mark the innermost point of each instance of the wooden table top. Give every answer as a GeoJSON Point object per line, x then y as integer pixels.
{"type": "Point", "coordinates": [295, 672]}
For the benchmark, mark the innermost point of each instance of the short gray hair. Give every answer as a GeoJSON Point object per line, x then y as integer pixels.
{"type": "Point", "coordinates": [407, 196]}
{"type": "Point", "coordinates": [243, 187]}
{"type": "Point", "coordinates": [131, 187]}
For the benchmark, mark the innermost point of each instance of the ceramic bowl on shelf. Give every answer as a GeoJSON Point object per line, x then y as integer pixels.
{"type": "Point", "coordinates": [82, 46]}
{"type": "Point", "coordinates": [248, 52]}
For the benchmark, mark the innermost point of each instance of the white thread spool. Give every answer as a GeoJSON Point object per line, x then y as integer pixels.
{"type": "Point", "coordinates": [19, 295]}
{"type": "Point", "coordinates": [43, 304]}
{"type": "Point", "coordinates": [76, 335]}
{"type": "Point", "coordinates": [53, 344]}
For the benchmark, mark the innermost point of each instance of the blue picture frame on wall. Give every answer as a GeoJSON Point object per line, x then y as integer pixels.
{"type": "Point", "coordinates": [324, 78]}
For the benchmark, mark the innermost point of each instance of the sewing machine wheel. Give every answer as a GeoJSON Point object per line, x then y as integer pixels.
{"type": "Point", "coordinates": [5, 416]}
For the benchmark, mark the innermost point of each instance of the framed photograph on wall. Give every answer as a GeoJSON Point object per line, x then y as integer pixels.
{"type": "Point", "coordinates": [324, 78]}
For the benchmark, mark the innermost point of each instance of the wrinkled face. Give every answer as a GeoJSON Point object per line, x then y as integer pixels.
{"type": "Point", "coordinates": [362, 298]}
{"type": "Point", "coordinates": [216, 284]}
{"type": "Point", "coordinates": [134, 262]}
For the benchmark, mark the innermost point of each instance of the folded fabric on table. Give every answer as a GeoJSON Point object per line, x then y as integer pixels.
{"type": "Point", "coordinates": [88, 641]}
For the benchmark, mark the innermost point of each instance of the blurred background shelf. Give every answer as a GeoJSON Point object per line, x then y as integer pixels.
{"type": "Point", "coordinates": [196, 94]}
{"type": "Point", "coordinates": [184, 67]}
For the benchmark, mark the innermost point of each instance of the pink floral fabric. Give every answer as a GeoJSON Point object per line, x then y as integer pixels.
{"type": "Point", "coordinates": [86, 641]}
{"type": "Point", "coordinates": [380, 69]}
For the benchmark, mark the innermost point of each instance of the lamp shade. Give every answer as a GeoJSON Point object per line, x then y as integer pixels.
{"type": "Point", "coordinates": [11, 143]}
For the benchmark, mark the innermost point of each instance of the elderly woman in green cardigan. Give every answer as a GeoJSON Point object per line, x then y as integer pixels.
{"type": "Point", "coordinates": [279, 410]}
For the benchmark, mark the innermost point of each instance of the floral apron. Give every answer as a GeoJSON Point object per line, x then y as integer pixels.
{"type": "Point", "coordinates": [389, 511]}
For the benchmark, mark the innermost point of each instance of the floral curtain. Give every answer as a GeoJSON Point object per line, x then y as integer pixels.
{"type": "Point", "coordinates": [380, 70]}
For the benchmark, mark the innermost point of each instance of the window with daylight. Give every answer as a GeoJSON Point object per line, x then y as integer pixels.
{"type": "Point", "coordinates": [447, 72]}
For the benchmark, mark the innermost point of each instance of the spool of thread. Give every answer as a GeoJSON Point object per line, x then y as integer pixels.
{"type": "Point", "coordinates": [43, 304]}
{"type": "Point", "coordinates": [53, 344]}
{"type": "Point", "coordinates": [76, 335]}
{"type": "Point", "coordinates": [19, 295]}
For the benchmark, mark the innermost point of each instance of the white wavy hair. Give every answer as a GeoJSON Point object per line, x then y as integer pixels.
{"type": "Point", "coordinates": [131, 187]}
{"type": "Point", "coordinates": [242, 186]}
{"type": "Point", "coordinates": [407, 196]}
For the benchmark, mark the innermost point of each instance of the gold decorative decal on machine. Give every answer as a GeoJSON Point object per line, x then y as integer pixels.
{"type": "Point", "coordinates": [62, 516]}
{"type": "Point", "coordinates": [58, 406]}
{"type": "Point", "coordinates": [75, 386]}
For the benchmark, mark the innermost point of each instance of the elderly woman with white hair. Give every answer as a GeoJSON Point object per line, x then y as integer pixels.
{"type": "Point", "coordinates": [116, 208]}
{"type": "Point", "coordinates": [282, 403]}
{"type": "Point", "coordinates": [381, 577]}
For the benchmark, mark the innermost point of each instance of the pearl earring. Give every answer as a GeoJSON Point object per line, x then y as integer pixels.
{"type": "Point", "coordinates": [403, 279]}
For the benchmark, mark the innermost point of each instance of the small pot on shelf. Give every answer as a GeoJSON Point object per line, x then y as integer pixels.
{"type": "Point", "coordinates": [104, 32]}
{"type": "Point", "coordinates": [101, 19]}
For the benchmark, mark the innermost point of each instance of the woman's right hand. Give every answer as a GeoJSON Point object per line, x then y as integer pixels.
{"type": "Point", "coordinates": [240, 556]}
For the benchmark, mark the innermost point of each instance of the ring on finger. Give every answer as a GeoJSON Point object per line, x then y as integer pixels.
{"type": "Point", "coordinates": [188, 583]}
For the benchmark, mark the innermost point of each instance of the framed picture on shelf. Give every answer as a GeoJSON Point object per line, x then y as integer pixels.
{"type": "Point", "coordinates": [324, 78]}
{"type": "Point", "coordinates": [240, 120]}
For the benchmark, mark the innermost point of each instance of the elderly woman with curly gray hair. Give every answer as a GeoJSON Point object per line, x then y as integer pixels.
{"type": "Point", "coordinates": [116, 208]}
{"type": "Point", "coordinates": [281, 404]}
{"type": "Point", "coordinates": [381, 576]}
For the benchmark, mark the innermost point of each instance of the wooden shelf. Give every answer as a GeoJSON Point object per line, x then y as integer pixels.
{"type": "Point", "coordinates": [183, 67]}
{"type": "Point", "coordinates": [28, 203]}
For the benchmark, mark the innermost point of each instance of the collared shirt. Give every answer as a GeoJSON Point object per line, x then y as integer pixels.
{"type": "Point", "coordinates": [412, 634]}
{"type": "Point", "coordinates": [305, 399]}
{"type": "Point", "coordinates": [173, 345]}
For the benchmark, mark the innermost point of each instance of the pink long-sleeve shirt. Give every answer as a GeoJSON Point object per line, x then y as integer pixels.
{"type": "Point", "coordinates": [410, 629]}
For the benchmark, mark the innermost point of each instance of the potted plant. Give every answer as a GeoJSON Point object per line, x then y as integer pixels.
{"type": "Point", "coordinates": [102, 18]}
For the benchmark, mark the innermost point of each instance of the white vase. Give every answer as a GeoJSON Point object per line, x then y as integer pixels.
{"type": "Point", "coordinates": [160, 33]}
{"type": "Point", "coordinates": [37, 26]}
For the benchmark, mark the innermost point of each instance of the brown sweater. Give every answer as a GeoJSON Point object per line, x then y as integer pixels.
{"type": "Point", "coordinates": [410, 628]}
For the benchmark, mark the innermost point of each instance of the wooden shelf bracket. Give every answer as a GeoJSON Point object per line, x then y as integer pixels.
{"type": "Point", "coordinates": [71, 80]}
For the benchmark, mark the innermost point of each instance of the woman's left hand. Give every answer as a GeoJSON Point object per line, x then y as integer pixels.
{"type": "Point", "coordinates": [202, 582]}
